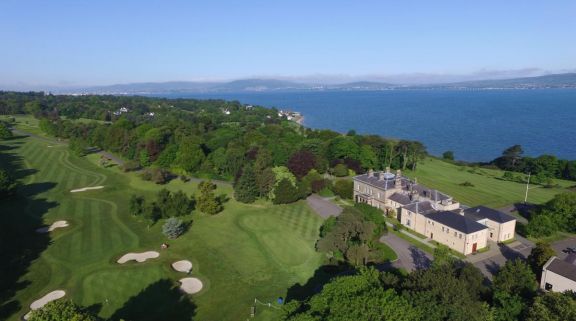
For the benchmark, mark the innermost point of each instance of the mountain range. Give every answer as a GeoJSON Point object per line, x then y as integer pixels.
{"type": "Point", "coordinates": [567, 80]}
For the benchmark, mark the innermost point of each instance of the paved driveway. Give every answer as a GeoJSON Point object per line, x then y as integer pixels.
{"type": "Point", "coordinates": [409, 256]}
{"type": "Point", "coordinates": [323, 207]}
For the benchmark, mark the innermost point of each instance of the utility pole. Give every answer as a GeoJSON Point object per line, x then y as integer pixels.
{"type": "Point", "coordinates": [527, 188]}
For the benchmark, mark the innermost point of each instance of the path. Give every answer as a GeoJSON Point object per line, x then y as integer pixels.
{"type": "Point", "coordinates": [410, 257]}
{"type": "Point", "coordinates": [323, 207]}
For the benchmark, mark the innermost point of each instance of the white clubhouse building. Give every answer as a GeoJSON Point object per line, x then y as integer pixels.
{"type": "Point", "coordinates": [432, 213]}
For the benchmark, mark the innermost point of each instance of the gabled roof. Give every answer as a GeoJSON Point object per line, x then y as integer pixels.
{"type": "Point", "coordinates": [482, 212]}
{"type": "Point", "coordinates": [562, 268]}
{"type": "Point", "coordinates": [420, 207]}
{"type": "Point", "coordinates": [400, 198]}
{"type": "Point", "coordinates": [456, 221]}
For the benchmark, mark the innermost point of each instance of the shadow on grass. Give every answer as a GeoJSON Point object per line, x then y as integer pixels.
{"type": "Point", "coordinates": [322, 276]}
{"type": "Point", "coordinates": [161, 300]}
{"type": "Point", "coordinates": [20, 215]}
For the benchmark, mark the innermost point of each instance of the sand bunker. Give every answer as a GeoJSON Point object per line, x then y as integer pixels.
{"type": "Point", "coordinates": [191, 285]}
{"type": "Point", "coordinates": [55, 225]}
{"type": "Point", "coordinates": [138, 257]}
{"type": "Point", "coordinates": [54, 295]}
{"type": "Point", "coordinates": [182, 266]}
{"type": "Point", "coordinates": [86, 189]}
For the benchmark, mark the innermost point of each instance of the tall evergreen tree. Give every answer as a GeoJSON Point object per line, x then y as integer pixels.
{"type": "Point", "coordinates": [246, 188]}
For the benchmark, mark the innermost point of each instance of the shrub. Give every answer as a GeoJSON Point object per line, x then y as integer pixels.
{"type": "Point", "coordinates": [173, 228]}
{"type": "Point", "coordinates": [466, 184]}
{"type": "Point", "coordinates": [340, 170]}
{"type": "Point", "coordinates": [344, 189]}
{"type": "Point", "coordinates": [131, 166]}
{"type": "Point", "coordinates": [285, 193]}
{"type": "Point", "coordinates": [156, 175]}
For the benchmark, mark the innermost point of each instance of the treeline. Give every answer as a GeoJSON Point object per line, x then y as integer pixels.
{"type": "Point", "coordinates": [450, 290]}
{"type": "Point", "coordinates": [542, 168]}
{"type": "Point", "coordinates": [265, 155]}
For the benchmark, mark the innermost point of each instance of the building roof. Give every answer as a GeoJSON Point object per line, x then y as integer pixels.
{"type": "Point", "coordinates": [482, 212]}
{"type": "Point", "coordinates": [563, 268]}
{"type": "Point", "coordinates": [387, 181]}
{"type": "Point", "coordinates": [400, 198]}
{"type": "Point", "coordinates": [456, 221]}
{"type": "Point", "coordinates": [424, 191]}
{"type": "Point", "coordinates": [420, 207]}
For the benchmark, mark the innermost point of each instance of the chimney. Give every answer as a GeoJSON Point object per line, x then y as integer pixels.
{"type": "Point", "coordinates": [398, 180]}
{"type": "Point", "coordinates": [370, 173]}
{"type": "Point", "coordinates": [381, 176]}
{"type": "Point", "coordinates": [387, 169]}
{"type": "Point", "coordinates": [461, 211]}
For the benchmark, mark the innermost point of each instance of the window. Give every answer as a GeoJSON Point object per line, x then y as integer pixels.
{"type": "Point", "coordinates": [460, 235]}
{"type": "Point", "coordinates": [408, 222]}
{"type": "Point", "coordinates": [442, 228]}
{"type": "Point", "coordinates": [447, 230]}
{"type": "Point", "coordinates": [455, 234]}
{"type": "Point", "coordinates": [548, 286]}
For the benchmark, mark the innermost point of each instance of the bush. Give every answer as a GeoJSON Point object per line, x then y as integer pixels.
{"type": "Point", "coordinates": [156, 175]}
{"type": "Point", "coordinates": [285, 193]}
{"type": "Point", "coordinates": [173, 228]}
{"type": "Point", "coordinates": [466, 184]}
{"type": "Point", "coordinates": [130, 166]}
{"type": "Point", "coordinates": [340, 170]}
{"type": "Point", "coordinates": [344, 189]}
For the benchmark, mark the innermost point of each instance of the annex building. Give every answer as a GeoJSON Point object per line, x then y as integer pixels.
{"type": "Point", "coordinates": [432, 213]}
{"type": "Point", "coordinates": [559, 275]}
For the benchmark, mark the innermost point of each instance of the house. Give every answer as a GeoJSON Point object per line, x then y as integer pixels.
{"type": "Point", "coordinates": [501, 226]}
{"type": "Point", "coordinates": [559, 275]}
{"type": "Point", "coordinates": [432, 213]}
{"type": "Point", "coordinates": [392, 191]}
{"type": "Point", "coordinates": [456, 231]}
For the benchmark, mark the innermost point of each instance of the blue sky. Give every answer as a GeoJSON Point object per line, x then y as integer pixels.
{"type": "Point", "coordinates": [104, 42]}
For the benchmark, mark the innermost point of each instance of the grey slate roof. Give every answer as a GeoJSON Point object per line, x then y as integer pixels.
{"type": "Point", "coordinates": [456, 221]}
{"type": "Point", "coordinates": [384, 184]}
{"type": "Point", "coordinates": [562, 268]}
{"type": "Point", "coordinates": [406, 185]}
{"type": "Point", "coordinates": [400, 198]}
{"type": "Point", "coordinates": [420, 207]}
{"type": "Point", "coordinates": [481, 212]}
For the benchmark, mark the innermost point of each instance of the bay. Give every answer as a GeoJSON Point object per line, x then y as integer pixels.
{"type": "Point", "coordinates": [477, 125]}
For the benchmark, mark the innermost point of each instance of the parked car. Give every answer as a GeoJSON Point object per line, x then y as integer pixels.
{"type": "Point", "coordinates": [569, 250]}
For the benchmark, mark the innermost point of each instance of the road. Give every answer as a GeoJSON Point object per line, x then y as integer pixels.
{"type": "Point", "coordinates": [410, 257]}
{"type": "Point", "coordinates": [323, 207]}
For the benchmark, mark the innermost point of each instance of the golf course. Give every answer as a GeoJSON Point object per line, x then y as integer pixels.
{"type": "Point", "coordinates": [246, 252]}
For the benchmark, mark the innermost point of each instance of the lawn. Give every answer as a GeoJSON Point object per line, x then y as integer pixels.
{"type": "Point", "coordinates": [246, 252]}
{"type": "Point", "coordinates": [488, 189]}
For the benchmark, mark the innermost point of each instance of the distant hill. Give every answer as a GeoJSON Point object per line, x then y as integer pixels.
{"type": "Point", "coordinates": [567, 80]}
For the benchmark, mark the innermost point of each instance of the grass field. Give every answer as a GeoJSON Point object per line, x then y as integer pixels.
{"type": "Point", "coordinates": [245, 252]}
{"type": "Point", "coordinates": [488, 188]}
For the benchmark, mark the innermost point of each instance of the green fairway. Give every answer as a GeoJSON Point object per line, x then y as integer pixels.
{"type": "Point", "coordinates": [245, 252]}
{"type": "Point", "coordinates": [488, 188]}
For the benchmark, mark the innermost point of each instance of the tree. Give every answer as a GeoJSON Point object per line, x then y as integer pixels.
{"type": "Point", "coordinates": [510, 157]}
{"type": "Point", "coordinates": [207, 201]}
{"type": "Point", "coordinates": [344, 188]}
{"type": "Point", "coordinates": [340, 170]}
{"type": "Point", "coordinates": [301, 162]}
{"type": "Point", "coordinates": [77, 146]}
{"type": "Point", "coordinates": [368, 158]}
{"type": "Point", "coordinates": [5, 132]}
{"type": "Point", "coordinates": [448, 155]}
{"type": "Point", "coordinates": [189, 156]}
{"type": "Point", "coordinates": [137, 205]}
{"type": "Point", "coordinates": [285, 192]}
{"type": "Point", "coordinates": [552, 306]}
{"type": "Point", "coordinates": [355, 297]}
{"type": "Point", "coordinates": [539, 255]}
{"type": "Point", "coordinates": [173, 228]}
{"type": "Point", "coordinates": [265, 180]}
{"type": "Point", "coordinates": [246, 188]}
{"type": "Point", "coordinates": [442, 256]}
{"type": "Point", "coordinates": [516, 277]}
{"type": "Point", "coordinates": [61, 310]}
{"type": "Point", "coordinates": [7, 184]}
{"type": "Point", "coordinates": [343, 147]}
